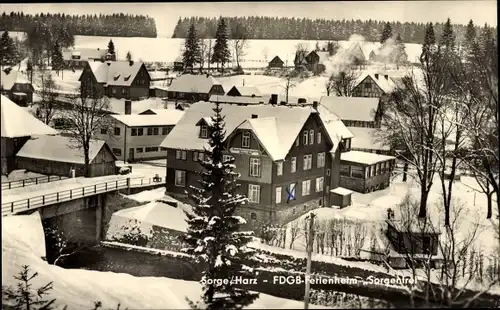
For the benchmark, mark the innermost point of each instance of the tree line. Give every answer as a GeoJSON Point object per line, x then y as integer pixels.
{"type": "Point", "coordinates": [118, 25]}
{"type": "Point", "coordinates": [307, 29]}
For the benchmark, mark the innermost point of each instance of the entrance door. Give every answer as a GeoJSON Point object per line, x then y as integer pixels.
{"type": "Point", "coordinates": [131, 154]}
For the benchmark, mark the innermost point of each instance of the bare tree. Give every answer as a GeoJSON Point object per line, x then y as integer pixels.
{"type": "Point", "coordinates": [239, 43]}
{"type": "Point", "coordinates": [265, 53]}
{"type": "Point", "coordinates": [300, 54]}
{"type": "Point", "coordinates": [288, 85]}
{"type": "Point", "coordinates": [294, 232]}
{"type": "Point", "coordinates": [204, 53]}
{"type": "Point", "coordinates": [342, 83]}
{"type": "Point", "coordinates": [48, 94]}
{"type": "Point", "coordinates": [88, 115]}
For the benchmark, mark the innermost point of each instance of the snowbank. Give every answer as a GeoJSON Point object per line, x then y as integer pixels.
{"type": "Point", "coordinates": [80, 288]}
{"type": "Point", "coordinates": [147, 196]}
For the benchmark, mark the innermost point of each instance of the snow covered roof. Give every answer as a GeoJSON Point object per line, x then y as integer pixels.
{"type": "Point", "coordinates": [116, 73]}
{"type": "Point", "coordinates": [237, 99]}
{"type": "Point", "coordinates": [18, 122]}
{"type": "Point", "coordinates": [59, 148]}
{"type": "Point", "coordinates": [190, 83]}
{"type": "Point", "coordinates": [364, 157]}
{"type": "Point", "coordinates": [385, 83]}
{"type": "Point", "coordinates": [14, 77]}
{"type": "Point", "coordinates": [276, 126]}
{"type": "Point", "coordinates": [276, 59]}
{"type": "Point", "coordinates": [118, 105]}
{"type": "Point", "coordinates": [341, 191]}
{"type": "Point", "coordinates": [85, 53]}
{"type": "Point", "coordinates": [356, 51]}
{"type": "Point", "coordinates": [247, 91]}
{"type": "Point", "coordinates": [352, 108]}
{"type": "Point", "coordinates": [366, 138]}
{"type": "Point", "coordinates": [179, 59]}
{"type": "Point", "coordinates": [163, 119]}
{"type": "Point", "coordinates": [333, 126]}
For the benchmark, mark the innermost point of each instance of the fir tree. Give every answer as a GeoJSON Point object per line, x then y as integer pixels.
{"type": "Point", "coordinates": [191, 53]}
{"type": "Point", "coordinates": [400, 55]}
{"type": "Point", "coordinates": [8, 50]}
{"type": "Point", "coordinates": [221, 50]}
{"type": "Point", "coordinates": [447, 39]}
{"type": "Point", "coordinates": [128, 56]}
{"type": "Point", "coordinates": [111, 47]}
{"type": "Point", "coordinates": [386, 33]}
{"type": "Point", "coordinates": [57, 58]}
{"type": "Point", "coordinates": [429, 42]}
{"type": "Point", "coordinates": [213, 236]}
{"type": "Point", "coordinates": [470, 32]}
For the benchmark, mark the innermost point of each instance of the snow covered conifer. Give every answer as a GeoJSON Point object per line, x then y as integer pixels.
{"type": "Point", "coordinates": [111, 47]}
{"type": "Point", "coordinates": [192, 49]}
{"type": "Point", "coordinates": [213, 236]}
{"type": "Point", "coordinates": [7, 49]}
{"type": "Point", "coordinates": [221, 50]}
{"type": "Point", "coordinates": [386, 33]}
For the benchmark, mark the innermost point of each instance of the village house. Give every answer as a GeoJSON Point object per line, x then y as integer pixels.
{"type": "Point", "coordinates": [287, 160]}
{"type": "Point", "coordinates": [192, 88]}
{"type": "Point", "coordinates": [373, 85]}
{"type": "Point", "coordinates": [179, 64]}
{"type": "Point", "coordinates": [355, 54]}
{"type": "Point", "coordinates": [16, 87]}
{"type": "Point", "coordinates": [79, 57]}
{"type": "Point", "coordinates": [18, 125]}
{"type": "Point", "coordinates": [355, 111]}
{"type": "Point", "coordinates": [116, 79]}
{"type": "Point", "coordinates": [276, 63]}
{"type": "Point", "coordinates": [237, 99]}
{"type": "Point", "coordinates": [59, 155]}
{"type": "Point", "coordinates": [368, 140]}
{"type": "Point", "coordinates": [244, 91]}
{"type": "Point", "coordinates": [137, 137]}
{"type": "Point", "coordinates": [316, 61]}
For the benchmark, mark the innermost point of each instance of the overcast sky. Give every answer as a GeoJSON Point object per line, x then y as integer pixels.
{"type": "Point", "coordinates": [166, 14]}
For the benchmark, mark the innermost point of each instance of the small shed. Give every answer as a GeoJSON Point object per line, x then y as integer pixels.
{"type": "Point", "coordinates": [276, 62]}
{"type": "Point", "coordinates": [340, 197]}
{"type": "Point", "coordinates": [58, 155]}
{"type": "Point", "coordinates": [179, 64]}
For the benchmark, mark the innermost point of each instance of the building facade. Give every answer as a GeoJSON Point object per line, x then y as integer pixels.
{"type": "Point", "coordinates": [373, 85]}
{"type": "Point", "coordinates": [16, 87]}
{"type": "Point", "coordinates": [192, 88]}
{"type": "Point", "coordinates": [276, 63]}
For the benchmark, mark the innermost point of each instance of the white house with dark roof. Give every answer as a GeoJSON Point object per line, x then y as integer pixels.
{"type": "Point", "coordinates": [116, 79]}
{"type": "Point", "coordinates": [15, 86]}
{"type": "Point", "coordinates": [288, 157]}
{"type": "Point", "coordinates": [192, 88]}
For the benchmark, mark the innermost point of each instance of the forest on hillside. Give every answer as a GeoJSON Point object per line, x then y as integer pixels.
{"type": "Point", "coordinates": [274, 28]}
{"type": "Point", "coordinates": [115, 25]}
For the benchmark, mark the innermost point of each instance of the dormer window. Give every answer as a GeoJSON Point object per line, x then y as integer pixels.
{"type": "Point", "coordinates": [245, 140]}
{"type": "Point", "coordinates": [204, 131]}
{"type": "Point", "coordinates": [116, 76]}
{"type": "Point", "coordinates": [127, 77]}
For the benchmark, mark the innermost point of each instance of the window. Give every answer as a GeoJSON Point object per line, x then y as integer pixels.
{"type": "Point", "coordinates": [254, 193]}
{"type": "Point", "coordinates": [293, 164]}
{"type": "Point", "coordinates": [139, 150]}
{"type": "Point", "coordinates": [180, 178]}
{"type": "Point", "coordinates": [155, 131]}
{"type": "Point", "coordinates": [306, 137]}
{"type": "Point", "coordinates": [377, 169]}
{"type": "Point", "coordinates": [163, 149]}
{"type": "Point", "coordinates": [245, 140]}
{"type": "Point", "coordinates": [321, 160]}
{"type": "Point", "coordinates": [253, 216]}
{"type": "Point", "coordinates": [307, 162]}
{"type": "Point", "coordinates": [306, 187]}
{"type": "Point", "coordinates": [383, 167]}
{"type": "Point", "coordinates": [348, 144]}
{"type": "Point", "coordinates": [297, 141]}
{"type": "Point", "coordinates": [320, 182]}
{"type": "Point", "coordinates": [151, 149]}
{"type": "Point", "coordinates": [278, 195]}
{"type": "Point", "coordinates": [311, 136]}
{"type": "Point", "coordinates": [203, 131]}
{"type": "Point", "coordinates": [165, 131]}
{"type": "Point", "coordinates": [318, 137]}
{"type": "Point", "coordinates": [426, 245]}
{"type": "Point", "coordinates": [134, 132]}
{"type": "Point", "coordinates": [255, 167]}
{"type": "Point", "coordinates": [117, 152]}
{"type": "Point", "coordinates": [104, 131]}
{"type": "Point", "coordinates": [291, 191]}
{"type": "Point", "coordinates": [140, 131]}
{"type": "Point", "coordinates": [179, 154]}
{"type": "Point", "coordinates": [372, 171]}
{"type": "Point", "coordinates": [279, 168]}
{"type": "Point", "coordinates": [113, 91]}
{"type": "Point", "coordinates": [117, 131]}
{"type": "Point", "coordinates": [226, 158]}
{"type": "Point", "coordinates": [124, 91]}
{"type": "Point", "coordinates": [357, 172]}
{"type": "Point", "coordinates": [150, 131]}
{"type": "Point", "coordinates": [195, 156]}
{"type": "Point", "coordinates": [345, 170]}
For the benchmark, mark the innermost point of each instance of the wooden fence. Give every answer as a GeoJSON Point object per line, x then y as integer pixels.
{"type": "Point", "coordinates": [31, 181]}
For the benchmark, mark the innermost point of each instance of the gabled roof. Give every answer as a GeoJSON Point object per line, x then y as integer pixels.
{"type": "Point", "coordinates": [116, 73]}
{"type": "Point", "coordinates": [189, 83]}
{"type": "Point", "coordinates": [352, 108]}
{"type": "Point", "coordinates": [237, 99]}
{"type": "Point", "coordinates": [357, 51]}
{"type": "Point", "coordinates": [14, 77]}
{"type": "Point", "coordinates": [387, 85]}
{"type": "Point", "coordinates": [162, 119]}
{"type": "Point", "coordinates": [276, 59]}
{"type": "Point", "coordinates": [333, 126]}
{"type": "Point", "coordinates": [59, 148]}
{"type": "Point", "coordinates": [278, 127]}
{"type": "Point", "coordinates": [247, 91]}
{"type": "Point", "coordinates": [85, 53]}
{"type": "Point", "coordinates": [366, 138]}
{"type": "Point", "coordinates": [323, 56]}
{"type": "Point", "coordinates": [18, 122]}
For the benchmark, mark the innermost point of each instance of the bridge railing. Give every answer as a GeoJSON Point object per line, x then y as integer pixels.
{"type": "Point", "coordinates": [31, 181]}
{"type": "Point", "coordinates": [75, 193]}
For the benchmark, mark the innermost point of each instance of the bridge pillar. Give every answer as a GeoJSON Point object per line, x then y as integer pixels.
{"type": "Point", "coordinates": [98, 222]}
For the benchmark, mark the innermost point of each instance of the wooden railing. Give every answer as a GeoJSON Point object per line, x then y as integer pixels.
{"type": "Point", "coordinates": [30, 181]}
{"type": "Point", "coordinates": [75, 193]}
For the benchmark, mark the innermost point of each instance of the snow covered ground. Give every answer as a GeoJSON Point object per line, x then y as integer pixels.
{"type": "Point", "coordinates": [80, 288]}
{"type": "Point", "coordinates": [20, 174]}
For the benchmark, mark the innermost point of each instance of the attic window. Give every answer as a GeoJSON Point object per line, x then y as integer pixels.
{"type": "Point", "coordinates": [116, 76]}
{"type": "Point", "coordinates": [204, 131]}
{"type": "Point", "coordinates": [127, 77]}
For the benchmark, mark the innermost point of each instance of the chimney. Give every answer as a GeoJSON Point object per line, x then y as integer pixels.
{"type": "Point", "coordinates": [98, 49]}
{"type": "Point", "coordinates": [315, 105]}
{"type": "Point", "coordinates": [302, 101]}
{"type": "Point", "coordinates": [255, 116]}
{"type": "Point", "coordinates": [376, 76]}
{"type": "Point", "coordinates": [128, 107]}
{"type": "Point", "coordinates": [108, 63]}
{"type": "Point", "coordinates": [208, 75]}
{"type": "Point", "coordinates": [386, 76]}
{"type": "Point", "coordinates": [274, 99]}
{"type": "Point", "coordinates": [131, 63]}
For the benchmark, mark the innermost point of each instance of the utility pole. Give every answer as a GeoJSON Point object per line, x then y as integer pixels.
{"type": "Point", "coordinates": [309, 254]}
